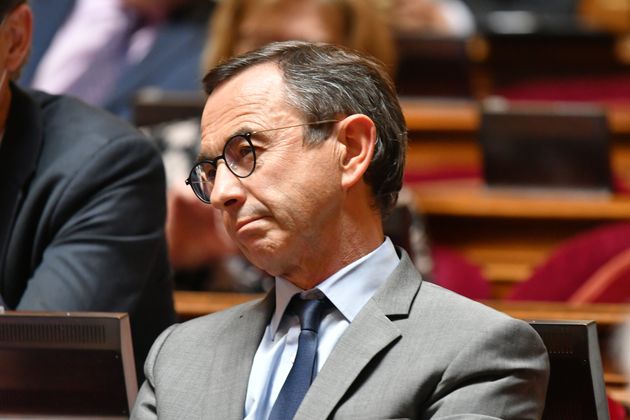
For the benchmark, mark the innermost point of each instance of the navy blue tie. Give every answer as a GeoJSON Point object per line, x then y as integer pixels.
{"type": "Point", "coordinates": [305, 365]}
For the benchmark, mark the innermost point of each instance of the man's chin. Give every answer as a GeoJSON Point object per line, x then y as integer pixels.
{"type": "Point", "coordinates": [263, 255]}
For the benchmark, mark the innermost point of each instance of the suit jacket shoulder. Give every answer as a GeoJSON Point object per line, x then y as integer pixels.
{"type": "Point", "coordinates": [417, 350]}
{"type": "Point", "coordinates": [200, 369]}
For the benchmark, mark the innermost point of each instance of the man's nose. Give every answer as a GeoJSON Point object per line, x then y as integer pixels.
{"type": "Point", "coordinates": [228, 190]}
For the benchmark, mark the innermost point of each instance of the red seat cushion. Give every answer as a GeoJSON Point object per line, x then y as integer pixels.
{"type": "Point", "coordinates": [572, 263]}
{"type": "Point", "coordinates": [452, 271]}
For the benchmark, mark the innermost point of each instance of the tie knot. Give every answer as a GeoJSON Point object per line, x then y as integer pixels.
{"type": "Point", "coordinates": [309, 311]}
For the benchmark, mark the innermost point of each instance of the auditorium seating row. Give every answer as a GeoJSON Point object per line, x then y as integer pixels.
{"type": "Point", "coordinates": [506, 233]}
{"type": "Point", "coordinates": [578, 63]}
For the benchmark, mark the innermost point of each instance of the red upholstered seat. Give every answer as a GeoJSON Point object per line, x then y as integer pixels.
{"type": "Point", "coordinates": [616, 410]}
{"type": "Point", "coordinates": [607, 89]}
{"type": "Point", "coordinates": [442, 173]}
{"type": "Point", "coordinates": [573, 263]}
{"type": "Point", "coordinates": [441, 265]}
{"type": "Point", "coordinates": [609, 284]}
{"type": "Point", "coordinates": [452, 271]}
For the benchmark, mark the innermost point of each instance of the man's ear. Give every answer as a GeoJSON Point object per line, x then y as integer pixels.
{"type": "Point", "coordinates": [357, 138]}
{"type": "Point", "coordinates": [19, 28]}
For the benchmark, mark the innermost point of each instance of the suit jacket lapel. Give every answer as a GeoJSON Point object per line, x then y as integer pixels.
{"type": "Point", "coordinates": [19, 153]}
{"type": "Point", "coordinates": [230, 377]}
{"type": "Point", "coordinates": [371, 332]}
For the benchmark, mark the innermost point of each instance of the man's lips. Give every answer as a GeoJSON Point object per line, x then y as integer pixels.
{"type": "Point", "coordinates": [246, 221]}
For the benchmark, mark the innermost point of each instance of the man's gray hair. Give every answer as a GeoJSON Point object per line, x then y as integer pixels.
{"type": "Point", "coordinates": [325, 82]}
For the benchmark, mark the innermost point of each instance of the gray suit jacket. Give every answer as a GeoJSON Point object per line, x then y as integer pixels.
{"type": "Point", "coordinates": [82, 210]}
{"type": "Point", "coordinates": [415, 350]}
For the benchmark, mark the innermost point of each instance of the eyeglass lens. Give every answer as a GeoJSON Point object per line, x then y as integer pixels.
{"type": "Point", "coordinates": [240, 158]}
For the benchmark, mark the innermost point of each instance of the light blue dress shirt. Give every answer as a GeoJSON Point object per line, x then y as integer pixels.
{"type": "Point", "coordinates": [349, 290]}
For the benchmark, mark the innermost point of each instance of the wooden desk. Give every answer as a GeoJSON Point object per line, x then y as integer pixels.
{"type": "Point", "coordinates": [470, 198]}
{"type": "Point", "coordinates": [507, 234]}
{"type": "Point", "coordinates": [607, 316]}
{"type": "Point", "coordinates": [443, 137]}
{"type": "Point", "coordinates": [191, 304]}
{"type": "Point", "coordinates": [463, 116]}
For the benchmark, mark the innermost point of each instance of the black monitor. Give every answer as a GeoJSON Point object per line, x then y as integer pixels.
{"type": "Point", "coordinates": [551, 147]}
{"type": "Point", "coordinates": [576, 384]}
{"type": "Point", "coordinates": [65, 365]}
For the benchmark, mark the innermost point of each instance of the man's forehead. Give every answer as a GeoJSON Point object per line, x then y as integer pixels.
{"type": "Point", "coordinates": [252, 98]}
{"type": "Point", "coordinates": [260, 82]}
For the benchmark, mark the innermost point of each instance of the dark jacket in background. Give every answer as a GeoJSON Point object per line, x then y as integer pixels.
{"type": "Point", "coordinates": [82, 210]}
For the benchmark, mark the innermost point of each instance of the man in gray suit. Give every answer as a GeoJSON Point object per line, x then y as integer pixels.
{"type": "Point", "coordinates": [303, 149]}
{"type": "Point", "coordinates": [82, 203]}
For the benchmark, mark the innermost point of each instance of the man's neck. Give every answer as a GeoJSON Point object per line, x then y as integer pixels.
{"type": "Point", "coordinates": [353, 240]}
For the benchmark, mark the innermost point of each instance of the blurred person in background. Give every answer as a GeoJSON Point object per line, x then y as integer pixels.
{"type": "Point", "coordinates": [82, 203]}
{"type": "Point", "coordinates": [431, 17]}
{"type": "Point", "coordinates": [103, 51]}
{"type": "Point", "coordinates": [239, 26]}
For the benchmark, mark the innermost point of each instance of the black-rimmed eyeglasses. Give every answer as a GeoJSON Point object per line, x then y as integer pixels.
{"type": "Point", "coordinates": [239, 156]}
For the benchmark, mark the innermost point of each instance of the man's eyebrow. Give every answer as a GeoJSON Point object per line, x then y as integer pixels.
{"type": "Point", "coordinates": [203, 156]}
{"type": "Point", "coordinates": [243, 130]}
{"type": "Point", "coordinates": [239, 132]}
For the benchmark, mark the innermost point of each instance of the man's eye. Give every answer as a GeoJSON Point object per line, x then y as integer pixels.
{"type": "Point", "coordinates": [211, 174]}
{"type": "Point", "coordinates": [245, 150]}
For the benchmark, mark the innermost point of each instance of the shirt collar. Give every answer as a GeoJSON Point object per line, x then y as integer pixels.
{"type": "Point", "coordinates": [349, 289]}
